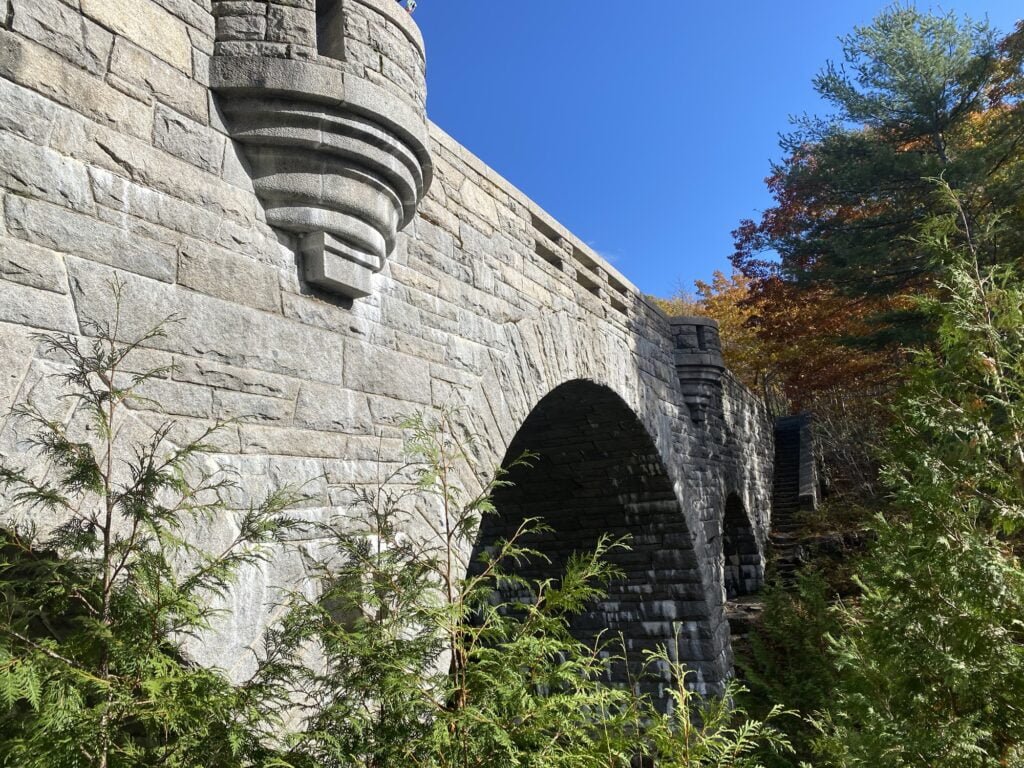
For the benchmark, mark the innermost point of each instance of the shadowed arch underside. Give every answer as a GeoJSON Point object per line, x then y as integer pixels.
{"type": "Point", "coordinates": [598, 472]}
{"type": "Point", "coordinates": [743, 567]}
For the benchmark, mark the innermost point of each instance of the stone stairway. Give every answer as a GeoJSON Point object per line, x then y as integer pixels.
{"type": "Point", "coordinates": [791, 493]}
{"type": "Point", "coordinates": [786, 502]}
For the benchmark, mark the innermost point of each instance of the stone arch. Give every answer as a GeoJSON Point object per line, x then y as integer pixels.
{"type": "Point", "coordinates": [743, 567]}
{"type": "Point", "coordinates": [599, 471]}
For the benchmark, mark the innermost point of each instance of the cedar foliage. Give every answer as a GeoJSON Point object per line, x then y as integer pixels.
{"type": "Point", "coordinates": [514, 687]}
{"type": "Point", "coordinates": [402, 659]}
{"type": "Point", "coordinates": [932, 655]}
{"type": "Point", "coordinates": [95, 609]}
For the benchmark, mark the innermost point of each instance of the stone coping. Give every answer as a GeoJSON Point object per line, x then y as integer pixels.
{"type": "Point", "coordinates": [511, 189]}
{"type": "Point", "coordinates": [693, 320]}
{"type": "Point", "coordinates": [474, 162]}
{"type": "Point", "coordinates": [400, 17]}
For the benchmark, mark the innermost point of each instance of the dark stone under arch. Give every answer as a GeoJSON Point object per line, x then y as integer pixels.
{"type": "Point", "coordinates": [743, 570]}
{"type": "Point", "coordinates": [598, 471]}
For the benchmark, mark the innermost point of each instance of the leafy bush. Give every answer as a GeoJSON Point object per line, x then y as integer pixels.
{"type": "Point", "coordinates": [932, 656]}
{"type": "Point", "coordinates": [426, 666]}
{"type": "Point", "coordinates": [406, 658]}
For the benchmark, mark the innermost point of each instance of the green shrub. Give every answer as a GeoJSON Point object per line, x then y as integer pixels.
{"type": "Point", "coordinates": [932, 655]}
{"type": "Point", "coordinates": [402, 659]}
{"type": "Point", "coordinates": [95, 611]}
{"type": "Point", "coordinates": [427, 666]}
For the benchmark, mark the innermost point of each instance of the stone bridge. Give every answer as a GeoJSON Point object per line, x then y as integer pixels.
{"type": "Point", "coordinates": [266, 171]}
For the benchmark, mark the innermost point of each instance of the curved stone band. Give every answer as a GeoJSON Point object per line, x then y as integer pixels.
{"type": "Point", "coordinates": [331, 154]}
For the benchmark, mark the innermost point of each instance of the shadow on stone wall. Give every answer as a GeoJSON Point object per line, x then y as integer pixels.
{"type": "Point", "coordinates": [598, 472]}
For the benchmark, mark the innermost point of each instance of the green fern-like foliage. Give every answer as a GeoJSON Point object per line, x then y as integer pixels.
{"type": "Point", "coordinates": [95, 609]}
{"type": "Point", "coordinates": [932, 657]}
{"type": "Point", "coordinates": [405, 658]}
{"type": "Point", "coordinates": [787, 660]}
{"type": "Point", "coordinates": [425, 664]}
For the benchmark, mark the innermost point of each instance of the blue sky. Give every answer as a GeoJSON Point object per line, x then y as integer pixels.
{"type": "Point", "coordinates": [646, 127]}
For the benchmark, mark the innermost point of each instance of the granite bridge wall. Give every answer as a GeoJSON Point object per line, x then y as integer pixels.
{"type": "Point", "coordinates": [267, 172]}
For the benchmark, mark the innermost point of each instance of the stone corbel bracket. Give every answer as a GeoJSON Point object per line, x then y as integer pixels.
{"type": "Point", "coordinates": [336, 159]}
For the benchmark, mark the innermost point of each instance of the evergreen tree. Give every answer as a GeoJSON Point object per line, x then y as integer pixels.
{"type": "Point", "coordinates": [95, 610]}
{"type": "Point", "coordinates": [932, 654]}
{"type": "Point", "coordinates": [918, 96]}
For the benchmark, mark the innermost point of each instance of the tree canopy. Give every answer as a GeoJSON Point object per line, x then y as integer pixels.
{"type": "Point", "coordinates": [917, 97]}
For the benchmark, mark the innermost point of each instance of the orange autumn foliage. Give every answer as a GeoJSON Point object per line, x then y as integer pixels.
{"type": "Point", "coordinates": [787, 343]}
{"type": "Point", "coordinates": [724, 299]}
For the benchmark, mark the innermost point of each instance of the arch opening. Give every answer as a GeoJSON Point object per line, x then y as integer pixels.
{"type": "Point", "coordinates": [599, 472]}
{"type": "Point", "coordinates": [743, 570]}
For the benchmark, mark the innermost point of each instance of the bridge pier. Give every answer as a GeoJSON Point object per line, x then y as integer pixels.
{"type": "Point", "coordinates": [699, 365]}
{"type": "Point", "coordinates": [737, 534]}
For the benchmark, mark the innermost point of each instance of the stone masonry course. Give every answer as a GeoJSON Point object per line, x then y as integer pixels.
{"type": "Point", "coordinates": [267, 172]}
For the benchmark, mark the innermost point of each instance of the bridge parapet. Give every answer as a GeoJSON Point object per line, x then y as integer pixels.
{"type": "Point", "coordinates": [578, 263]}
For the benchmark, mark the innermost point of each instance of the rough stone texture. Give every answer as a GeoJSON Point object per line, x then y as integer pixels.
{"type": "Point", "coordinates": [187, 140]}
{"type": "Point", "coordinates": [338, 156]}
{"type": "Point", "coordinates": [383, 47]}
{"type": "Point", "coordinates": [114, 163]}
{"type": "Point", "coordinates": [147, 25]}
{"type": "Point", "coordinates": [27, 63]}
{"type": "Point", "coordinates": [148, 77]}
{"type": "Point", "coordinates": [21, 262]}
{"type": "Point", "coordinates": [63, 30]}
{"type": "Point", "coordinates": [16, 348]}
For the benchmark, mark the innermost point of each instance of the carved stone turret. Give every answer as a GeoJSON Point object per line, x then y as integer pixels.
{"type": "Point", "coordinates": [699, 364]}
{"type": "Point", "coordinates": [328, 99]}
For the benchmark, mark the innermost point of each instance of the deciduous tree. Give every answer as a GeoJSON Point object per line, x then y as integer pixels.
{"type": "Point", "coordinates": [918, 96]}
